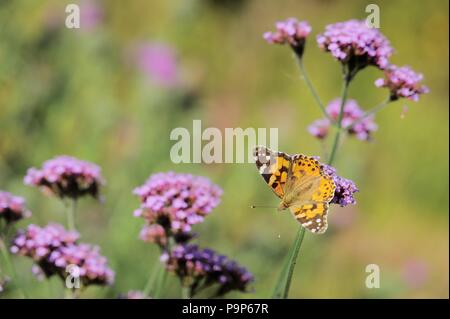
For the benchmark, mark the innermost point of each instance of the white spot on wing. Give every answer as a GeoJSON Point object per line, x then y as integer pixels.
{"type": "Point", "coordinates": [262, 169]}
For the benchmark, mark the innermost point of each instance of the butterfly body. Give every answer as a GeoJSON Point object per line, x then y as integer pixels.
{"type": "Point", "coordinates": [300, 183]}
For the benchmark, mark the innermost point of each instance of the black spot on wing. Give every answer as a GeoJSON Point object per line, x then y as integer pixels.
{"type": "Point", "coordinates": [266, 177]}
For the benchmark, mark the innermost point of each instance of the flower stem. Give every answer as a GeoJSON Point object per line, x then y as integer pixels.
{"type": "Point", "coordinates": [70, 293]}
{"type": "Point", "coordinates": [285, 278]}
{"type": "Point", "coordinates": [5, 255]}
{"type": "Point", "coordinates": [150, 285]}
{"type": "Point", "coordinates": [12, 270]}
{"type": "Point", "coordinates": [311, 87]}
{"type": "Point", "coordinates": [185, 292]}
{"type": "Point", "coordinates": [337, 137]}
{"type": "Point", "coordinates": [160, 283]}
{"type": "Point", "coordinates": [71, 213]}
{"type": "Point", "coordinates": [373, 110]}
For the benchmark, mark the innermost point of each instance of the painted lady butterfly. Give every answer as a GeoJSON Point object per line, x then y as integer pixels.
{"type": "Point", "coordinates": [301, 184]}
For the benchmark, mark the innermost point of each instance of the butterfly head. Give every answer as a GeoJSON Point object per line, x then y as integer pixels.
{"type": "Point", "coordinates": [282, 206]}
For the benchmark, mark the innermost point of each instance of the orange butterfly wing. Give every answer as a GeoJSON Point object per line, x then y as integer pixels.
{"type": "Point", "coordinates": [273, 167]}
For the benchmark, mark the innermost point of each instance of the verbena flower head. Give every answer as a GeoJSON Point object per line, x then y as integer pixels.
{"type": "Point", "coordinates": [201, 268]}
{"type": "Point", "coordinates": [291, 32]}
{"type": "Point", "coordinates": [38, 242]}
{"type": "Point", "coordinates": [319, 128]}
{"type": "Point", "coordinates": [52, 248]}
{"type": "Point", "coordinates": [345, 188]}
{"type": "Point", "coordinates": [154, 233]}
{"type": "Point", "coordinates": [66, 176]}
{"type": "Point", "coordinates": [402, 82]}
{"type": "Point", "coordinates": [355, 44]}
{"type": "Point", "coordinates": [158, 61]}
{"type": "Point", "coordinates": [353, 120]}
{"type": "Point", "coordinates": [91, 15]}
{"type": "Point", "coordinates": [92, 268]}
{"type": "Point", "coordinates": [175, 202]}
{"type": "Point", "coordinates": [12, 208]}
{"type": "Point", "coordinates": [415, 273]}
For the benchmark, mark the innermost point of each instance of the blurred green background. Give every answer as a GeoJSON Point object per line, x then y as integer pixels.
{"type": "Point", "coordinates": [80, 92]}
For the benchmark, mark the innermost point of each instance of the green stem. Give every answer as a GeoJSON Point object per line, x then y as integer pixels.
{"type": "Point", "coordinates": [12, 270]}
{"type": "Point", "coordinates": [370, 112]}
{"type": "Point", "coordinates": [160, 284]}
{"type": "Point", "coordinates": [69, 293]}
{"type": "Point", "coordinates": [150, 285]}
{"type": "Point", "coordinates": [5, 255]}
{"type": "Point", "coordinates": [185, 292]}
{"type": "Point", "coordinates": [71, 213]}
{"type": "Point", "coordinates": [285, 278]}
{"type": "Point", "coordinates": [337, 137]}
{"type": "Point", "coordinates": [311, 87]}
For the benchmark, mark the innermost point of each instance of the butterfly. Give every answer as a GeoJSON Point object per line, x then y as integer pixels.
{"type": "Point", "coordinates": [301, 183]}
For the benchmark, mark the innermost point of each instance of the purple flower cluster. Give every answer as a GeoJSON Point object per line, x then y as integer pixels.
{"type": "Point", "coordinates": [171, 203]}
{"type": "Point", "coordinates": [353, 120]}
{"type": "Point", "coordinates": [319, 128]}
{"type": "Point", "coordinates": [154, 233]}
{"type": "Point", "coordinates": [38, 242]}
{"type": "Point", "coordinates": [415, 273]}
{"type": "Point", "coordinates": [12, 208]}
{"type": "Point", "coordinates": [159, 63]}
{"type": "Point", "coordinates": [53, 248]}
{"type": "Point", "coordinates": [345, 188]}
{"type": "Point", "coordinates": [402, 82]}
{"type": "Point", "coordinates": [292, 32]}
{"type": "Point", "coordinates": [354, 43]}
{"type": "Point", "coordinates": [91, 15]}
{"type": "Point", "coordinates": [66, 176]}
{"type": "Point", "coordinates": [201, 268]}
